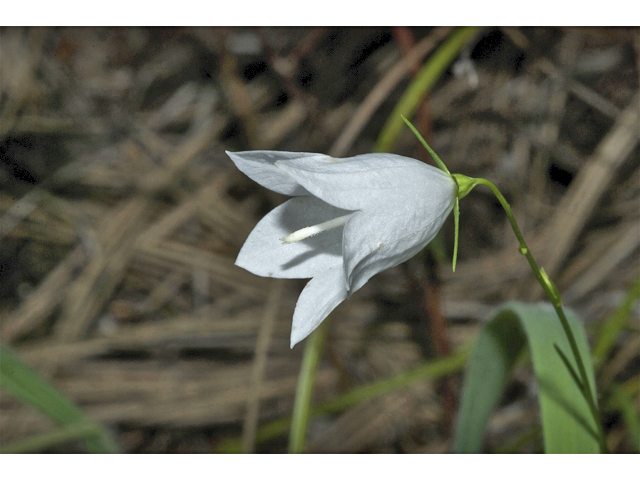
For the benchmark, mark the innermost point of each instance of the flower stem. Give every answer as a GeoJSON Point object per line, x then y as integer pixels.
{"type": "Point", "coordinates": [302, 405]}
{"type": "Point", "coordinates": [553, 294]}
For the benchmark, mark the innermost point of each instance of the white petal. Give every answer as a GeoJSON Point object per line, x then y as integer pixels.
{"type": "Point", "coordinates": [260, 167]}
{"type": "Point", "coordinates": [373, 242]}
{"type": "Point", "coordinates": [320, 296]}
{"type": "Point", "coordinates": [366, 181]}
{"type": "Point", "coordinates": [264, 254]}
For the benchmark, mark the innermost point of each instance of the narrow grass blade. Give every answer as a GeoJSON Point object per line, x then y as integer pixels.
{"type": "Point", "coordinates": [21, 381]}
{"type": "Point", "coordinates": [567, 424]}
{"type": "Point", "coordinates": [423, 82]}
{"type": "Point", "coordinates": [621, 400]}
{"type": "Point", "coordinates": [615, 323]}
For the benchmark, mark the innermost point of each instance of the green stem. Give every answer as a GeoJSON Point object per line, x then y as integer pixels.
{"type": "Point", "coordinates": [302, 405]}
{"type": "Point", "coordinates": [433, 370]}
{"type": "Point", "coordinates": [556, 301]}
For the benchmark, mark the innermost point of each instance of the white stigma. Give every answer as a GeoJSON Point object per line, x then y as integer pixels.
{"type": "Point", "coordinates": [314, 230]}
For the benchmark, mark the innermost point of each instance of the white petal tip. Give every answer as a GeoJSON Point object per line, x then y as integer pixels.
{"type": "Point", "coordinates": [294, 340]}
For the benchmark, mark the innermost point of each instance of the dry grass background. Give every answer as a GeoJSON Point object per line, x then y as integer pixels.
{"type": "Point", "coordinates": [121, 218]}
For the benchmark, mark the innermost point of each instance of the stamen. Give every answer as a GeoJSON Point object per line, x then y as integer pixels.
{"type": "Point", "coordinates": [314, 230]}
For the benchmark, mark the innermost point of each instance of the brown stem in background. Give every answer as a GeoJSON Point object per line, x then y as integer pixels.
{"type": "Point", "coordinates": [285, 67]}
{"type": "Point", "coordinates": [430, 288]}
{"type": "Point", "coordinates": [432, 304]}
{"type": "Point", "coordinates": [423, 283]}
{"type": "Point", "coordinates": [237, 94]}
{"type": "Point", "coordinates": [260, 364]}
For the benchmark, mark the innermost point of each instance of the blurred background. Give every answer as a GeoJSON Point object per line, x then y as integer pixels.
{"type": "Point", "coordinates": [121, 218]}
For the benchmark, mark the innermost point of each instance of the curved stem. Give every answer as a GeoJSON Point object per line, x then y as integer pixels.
{"type": "Point", "coordinates": [553, 294]}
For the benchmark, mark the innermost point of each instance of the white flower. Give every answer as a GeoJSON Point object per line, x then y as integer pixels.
{"type": "Point", "coordinates": [350, 219]}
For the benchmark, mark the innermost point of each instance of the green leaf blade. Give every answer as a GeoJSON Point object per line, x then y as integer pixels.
{"type": "Point", "coordinates": [496, 350]}
{"type": "Point", "coordinates": [20, 380]}
{"type": "Point", "coordinates": [567, 424]}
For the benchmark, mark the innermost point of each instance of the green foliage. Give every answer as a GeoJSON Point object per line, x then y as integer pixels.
{"type": "Point", "coordinates": [26, 385]}
{"type": "Point", "coordinates": [421, 84]}
{"type": "Point", "coordinates": [431, 370]}
{"type": "Point", "coordinates": [624, 402]}
{"type": "Point", "coordinates": [567, 424]}
{"type": "Point", "coordinates": [615, 323]}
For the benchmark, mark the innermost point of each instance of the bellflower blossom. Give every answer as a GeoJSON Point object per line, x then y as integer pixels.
{"type": "Point", "coordinates": [349, 219]}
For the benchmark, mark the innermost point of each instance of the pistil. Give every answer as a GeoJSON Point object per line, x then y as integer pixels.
{"type": "Point", "coordinates": [314, 230]}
